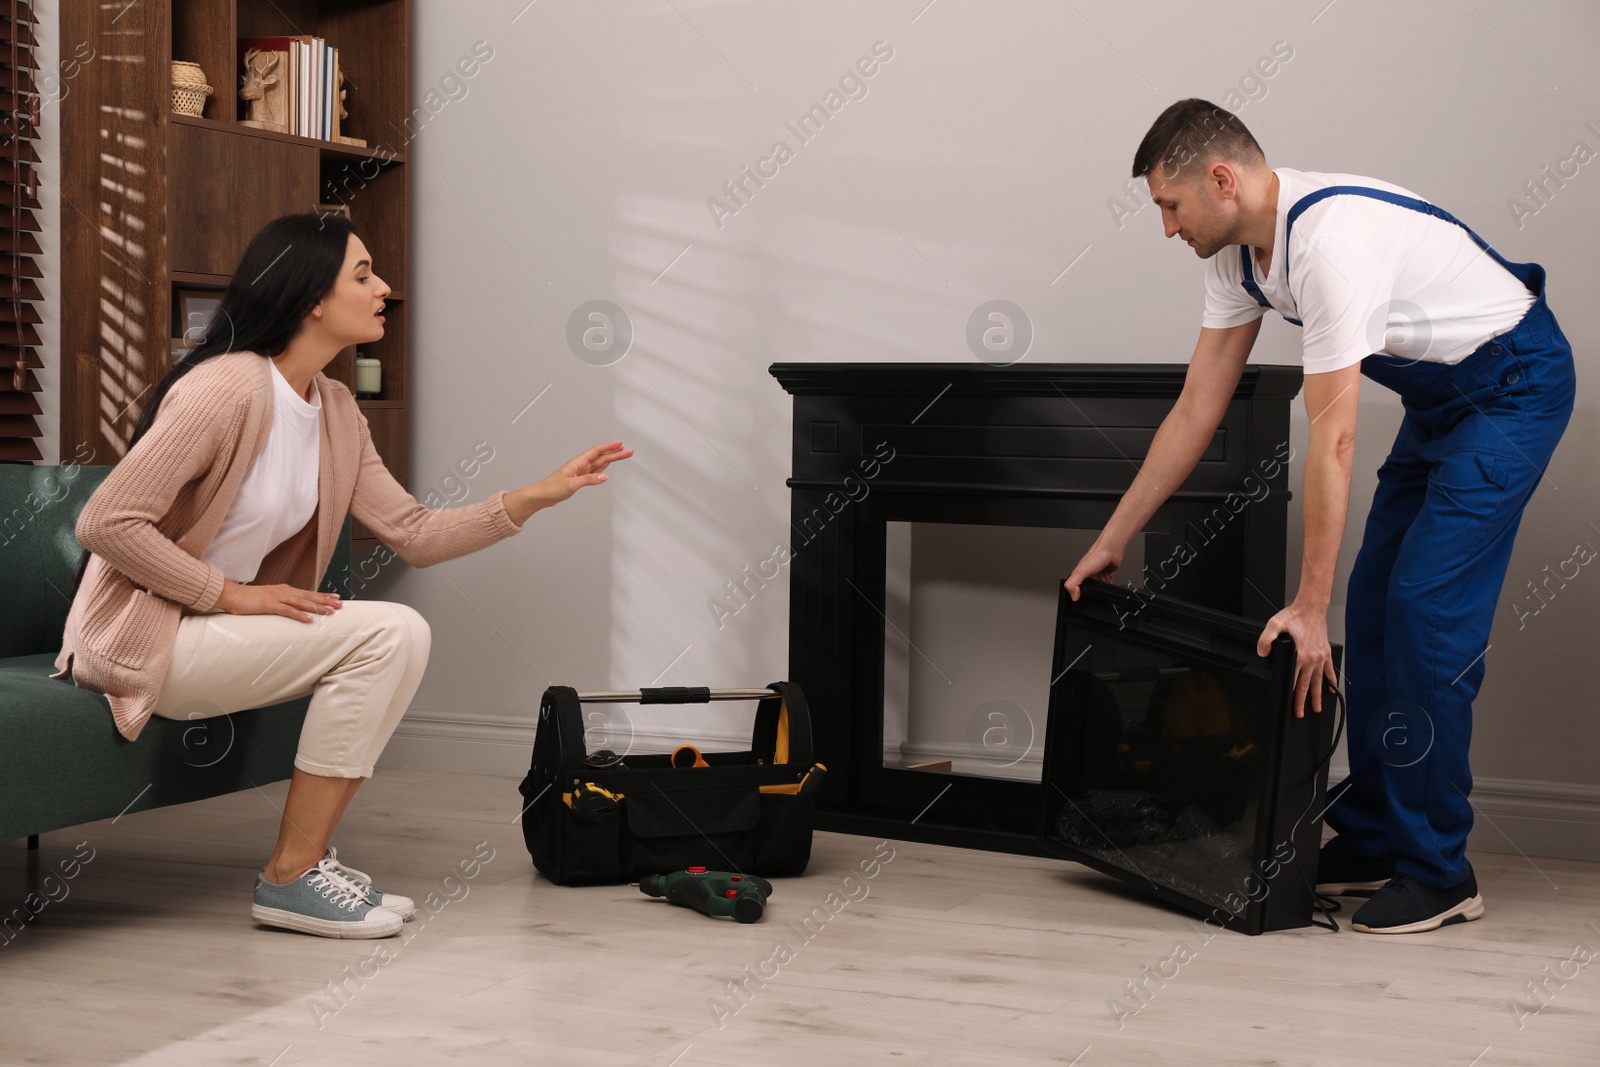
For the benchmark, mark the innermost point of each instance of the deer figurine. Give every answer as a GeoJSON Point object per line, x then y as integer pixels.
{"type": "Point", "coordinates": [263, 89]}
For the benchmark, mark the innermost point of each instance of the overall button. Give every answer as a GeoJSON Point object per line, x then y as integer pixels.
{"type": "Point", "coordinates": [1495, 350]}
{"type": "Point", "coordinates": [1513, 378]}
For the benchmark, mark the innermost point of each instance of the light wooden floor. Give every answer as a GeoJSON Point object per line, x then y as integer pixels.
{"type": "Point", "coordinates": [951, 958]}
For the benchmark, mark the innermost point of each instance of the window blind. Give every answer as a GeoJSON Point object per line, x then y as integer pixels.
{"type": "Point", "coordinates": [19, 242]}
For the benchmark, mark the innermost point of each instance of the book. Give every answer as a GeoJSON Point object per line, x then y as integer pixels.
{"type": "Point", "coordinates": [334, 110]}
{"type": "Point", "coordinates": [294, 86]}
{"type": "Point", "coordinates": [308, 72]}
{"type": "Point", "coordinates": [325, 103]}
{"type": "Point", "coordinates": [319, 53]}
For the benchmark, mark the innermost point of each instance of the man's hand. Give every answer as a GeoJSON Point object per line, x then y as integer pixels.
{"type": "Point", "coordinates": [1308, 625]}
{"type": "Point", "coordinates": [1099, 562]}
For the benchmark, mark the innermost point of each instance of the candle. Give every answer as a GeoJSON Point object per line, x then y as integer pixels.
{"type": "Point", "coordinates": [369, 376]}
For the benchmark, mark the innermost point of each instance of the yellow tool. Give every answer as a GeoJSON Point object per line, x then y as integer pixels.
{"type": "Point", "coordinates": [688, 756]}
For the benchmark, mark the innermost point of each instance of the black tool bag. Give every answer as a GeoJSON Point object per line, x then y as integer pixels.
{"type": "Point", "coordinates": [606, 816]}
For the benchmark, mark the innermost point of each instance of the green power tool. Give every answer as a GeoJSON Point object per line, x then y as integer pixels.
{"type": "Point", "coordinates": [714, 893]}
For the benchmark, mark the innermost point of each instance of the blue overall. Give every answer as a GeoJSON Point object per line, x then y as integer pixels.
{"type": "Point", "coordinates": [1473, 446]}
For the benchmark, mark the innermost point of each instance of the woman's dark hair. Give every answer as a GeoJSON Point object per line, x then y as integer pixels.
{"type": "Point", "coordinates": [289, 266]}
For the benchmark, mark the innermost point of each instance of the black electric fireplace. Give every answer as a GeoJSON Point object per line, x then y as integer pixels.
{"type": "Point", "coordinates": [1174, 763]}
{"type": "Point", "coordinates": [934, 509]}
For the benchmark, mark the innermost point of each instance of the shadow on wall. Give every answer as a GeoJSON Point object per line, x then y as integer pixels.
{"type": "Point", "coordinates": [713, 298]}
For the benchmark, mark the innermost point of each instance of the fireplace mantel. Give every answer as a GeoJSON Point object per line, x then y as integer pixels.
{"type": "Point", "coordinates": [1044, 445]}
{"type": "Point", "coordinates": [1031, 379]}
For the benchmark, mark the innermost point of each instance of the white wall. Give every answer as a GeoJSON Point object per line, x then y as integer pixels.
{"type": "Point", "coordinates": [980, 164]}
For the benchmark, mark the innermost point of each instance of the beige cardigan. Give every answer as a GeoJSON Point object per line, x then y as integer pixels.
{"type": "Point", "coordinates": [148, 524]}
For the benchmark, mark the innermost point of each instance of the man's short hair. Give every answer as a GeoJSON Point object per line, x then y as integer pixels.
{"type": "Point", "coordinates": [1192, 132]}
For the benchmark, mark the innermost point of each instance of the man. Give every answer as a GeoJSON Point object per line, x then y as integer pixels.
{"type": "Point", "coordinates": [1388, 286]}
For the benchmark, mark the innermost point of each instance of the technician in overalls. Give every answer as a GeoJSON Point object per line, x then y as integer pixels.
{"type": "Point", "coordinates": [1386, 285]}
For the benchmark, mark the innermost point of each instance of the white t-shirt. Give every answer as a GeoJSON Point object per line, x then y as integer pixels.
{"type": "Point", "coordinates": [1368, 277]}
{"type": "Point", "coordinates": [279, 494]}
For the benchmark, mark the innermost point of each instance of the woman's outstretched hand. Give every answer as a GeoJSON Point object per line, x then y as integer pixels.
{"type": "Point", "coordinates": [588, 468]}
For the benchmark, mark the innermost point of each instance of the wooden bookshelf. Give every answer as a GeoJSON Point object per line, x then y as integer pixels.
{"type": "Point", "coordinates": [155, 203]}
{"type": "Point", "coordinates": [329, 149]}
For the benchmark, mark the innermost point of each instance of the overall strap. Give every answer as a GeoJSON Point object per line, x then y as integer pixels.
{"type": "Point", "coordinates": [1410, 202]}
{"type": "Point", "coordinates": [1253, 289]}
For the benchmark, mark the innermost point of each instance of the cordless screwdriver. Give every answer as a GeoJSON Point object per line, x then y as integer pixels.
{"type": "Point", "coordinates": [714, 893]}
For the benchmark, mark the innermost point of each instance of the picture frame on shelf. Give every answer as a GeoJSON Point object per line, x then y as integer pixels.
{"type": "Point", "coordinates": [195, 310]}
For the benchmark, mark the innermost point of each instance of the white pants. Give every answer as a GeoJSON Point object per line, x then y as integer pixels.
{"type": "Point", "coordinates": [361, 665]}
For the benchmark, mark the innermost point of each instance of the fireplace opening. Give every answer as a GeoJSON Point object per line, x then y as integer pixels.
{"type": "Point", "coordinates": [970, 614]}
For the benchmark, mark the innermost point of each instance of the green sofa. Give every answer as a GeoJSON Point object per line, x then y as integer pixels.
{"type": "Point", "coordinates": [62, 761]}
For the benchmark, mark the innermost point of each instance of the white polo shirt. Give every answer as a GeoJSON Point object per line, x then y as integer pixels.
{"type": "Point", "coordinates": [279, 494]}
{"type": "Point", "coordinates": [1368, 277]}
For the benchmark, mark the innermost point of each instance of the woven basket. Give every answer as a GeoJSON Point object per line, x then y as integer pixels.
{"type": "Point", "coordinates": [186, 73]}
{"type": "Point", "coordinates": [189, 100]}
{"type": "Point", "coordinates": [189, 88]}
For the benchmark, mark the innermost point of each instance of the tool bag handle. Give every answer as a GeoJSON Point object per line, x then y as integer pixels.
{"type": "Point", "coordinates": [782, 723]}
{"type": "Point", "coordinates": [673, 694]}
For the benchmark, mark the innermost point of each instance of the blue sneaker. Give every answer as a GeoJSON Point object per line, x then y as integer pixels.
{"type": "Point", "coordinates": [323, 902]}
{"type": "Point", "coordinates": [393, 901]}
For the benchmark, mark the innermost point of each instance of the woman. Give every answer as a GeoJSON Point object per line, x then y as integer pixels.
{"type": "Point", "coordinates": [207, 542]}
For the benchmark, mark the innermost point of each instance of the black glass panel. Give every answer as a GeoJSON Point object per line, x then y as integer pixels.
{"type": "Point", "coordinates": [1166, 764]}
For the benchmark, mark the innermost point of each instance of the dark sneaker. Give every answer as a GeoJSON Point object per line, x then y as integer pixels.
{"type": "Point", "coordinates": [393, 901]}
{"type": "Point", "coordinates": [323, 902]}
{"type": "Point", "coordinates": [1340, 874]}
{"type": "Point", "coordinates": [1406, 906]}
